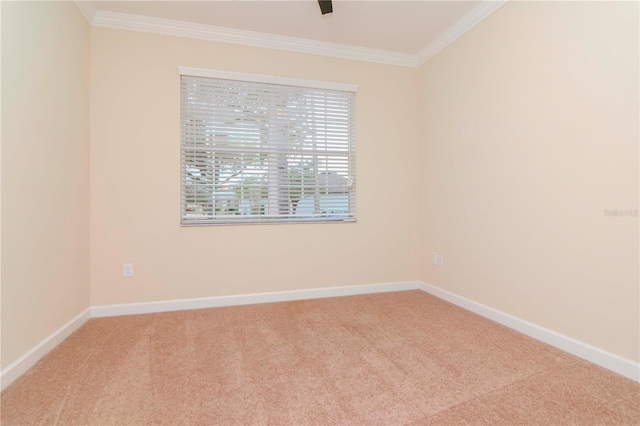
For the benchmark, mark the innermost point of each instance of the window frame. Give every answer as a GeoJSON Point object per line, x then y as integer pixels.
{"type": "Point", "coordinates": [283, 81]}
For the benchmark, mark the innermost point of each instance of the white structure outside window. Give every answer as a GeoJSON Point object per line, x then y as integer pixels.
{"type": "Point", "coordinates": [263, 149]}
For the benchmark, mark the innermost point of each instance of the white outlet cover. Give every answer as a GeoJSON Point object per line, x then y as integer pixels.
{"type": "Point", "coordinates": [440, 260]}
{"type": "Point", "coordinates": [434, 258]}
{"type": "Point", "coordinates": [127, 270]}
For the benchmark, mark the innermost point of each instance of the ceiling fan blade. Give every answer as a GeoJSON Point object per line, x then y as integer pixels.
{"type": "Point", "coordinates": [325, 6]}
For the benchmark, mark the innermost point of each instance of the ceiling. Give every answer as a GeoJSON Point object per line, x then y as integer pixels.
{"type": "Point", "coordinates": [396, 26]}
{"type": "Point", "coordinates": [413, 31]}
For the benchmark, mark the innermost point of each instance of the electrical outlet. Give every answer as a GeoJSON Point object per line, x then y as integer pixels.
{"type": "Point", "coordinates": [434, 258]}
{"type": "Point", "coordinates": [440, 260]}
{"type": "Point", "coordinates": [127, 270]}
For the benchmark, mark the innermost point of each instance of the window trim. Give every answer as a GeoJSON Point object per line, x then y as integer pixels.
{"type": "Point", "coordinates": [267, 79]}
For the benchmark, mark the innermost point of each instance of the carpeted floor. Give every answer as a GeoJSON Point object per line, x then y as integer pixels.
{"type": "Point", "coordinates": [402, 358]}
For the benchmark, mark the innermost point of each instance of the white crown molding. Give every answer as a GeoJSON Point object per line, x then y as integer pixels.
{"type": "Point", "coordinates": [169, 27]}
{"type": "Point", "coordinates": [472, 18]}
{"type": "Point", "coordinates": [88, 10]}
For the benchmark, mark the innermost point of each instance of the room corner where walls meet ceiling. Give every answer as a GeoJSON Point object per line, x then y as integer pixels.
{"type": "Point", "coordinates": [102, 18]}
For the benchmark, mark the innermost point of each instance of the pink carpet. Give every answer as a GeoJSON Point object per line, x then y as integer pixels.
{"type": "Point", "coordinates": [403, 358]}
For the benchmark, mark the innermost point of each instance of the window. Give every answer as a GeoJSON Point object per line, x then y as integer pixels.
{"type": "Point", "coordinates": [260, 149]}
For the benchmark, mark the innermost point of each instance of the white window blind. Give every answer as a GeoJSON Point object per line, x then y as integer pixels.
{"type": "Point", "coordinates": [258, 152]}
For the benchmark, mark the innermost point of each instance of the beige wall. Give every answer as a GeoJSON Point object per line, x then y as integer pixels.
{"type": "Point", "coordinates": [45, 170]}
{"type": "Point", "coordinates": [135, 176]}
{"type": "Point", "coordinates": [529, 131]}
{"type": "Point", "coordinates": [501, 153]}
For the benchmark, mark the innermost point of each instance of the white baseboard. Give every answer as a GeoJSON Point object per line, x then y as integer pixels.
{"type": "Point", "coordinates": [590, 353]}
{"type": "Point", "coordinates": [14, 370]}
{"type": "Point", "coordinates": [582, 350]}
{"type": "Point", "coordinates": [248, 299]}
{"type": "Point", "coordinates": [28, 360]}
